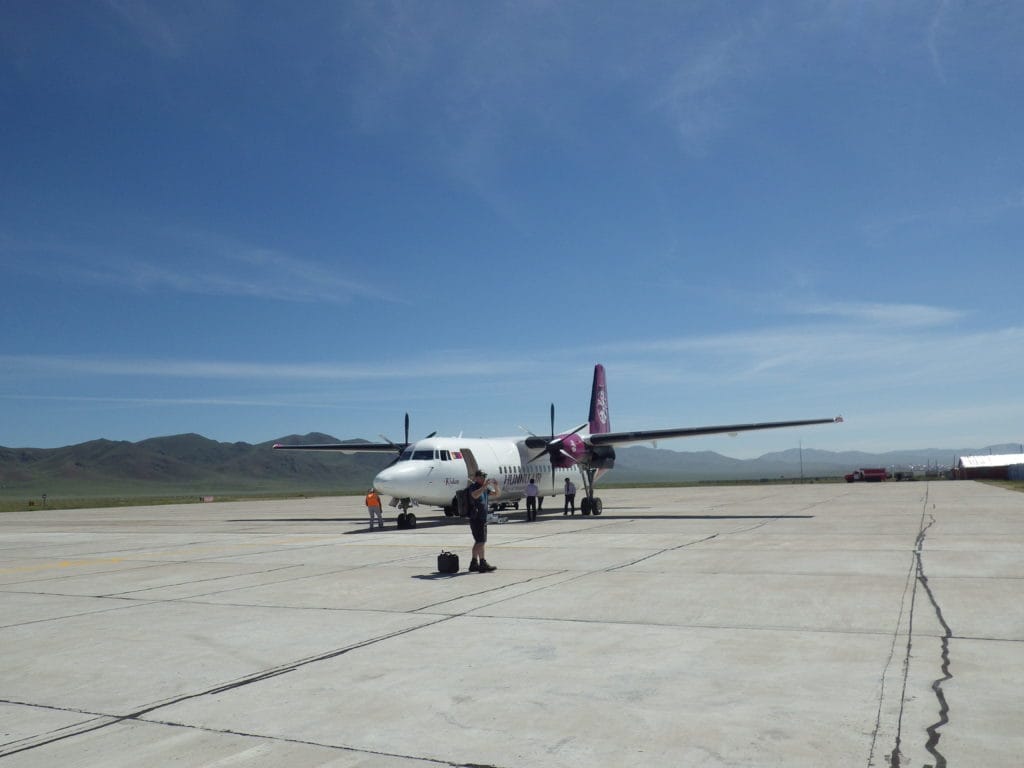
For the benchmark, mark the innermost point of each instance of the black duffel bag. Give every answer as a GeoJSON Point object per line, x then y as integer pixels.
{"type": "Point", "coordinates": [448, 562]}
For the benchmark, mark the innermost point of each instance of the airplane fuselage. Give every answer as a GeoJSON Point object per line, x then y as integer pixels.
{"type": "Point", "coordinates": [432, 470]}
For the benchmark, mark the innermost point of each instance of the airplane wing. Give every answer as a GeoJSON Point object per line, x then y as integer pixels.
{"type": "Point", "coordinates": [644, 436]}
{"type": "Point", "coordinates": [343, 447]}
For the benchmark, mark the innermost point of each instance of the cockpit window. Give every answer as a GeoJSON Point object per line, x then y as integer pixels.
{"type": "Point", "coordinates": [445, 456]}
{"type": "Point", "coordinates": [422, 455]}
{"type": "Point", "coordinates": [406, 455]}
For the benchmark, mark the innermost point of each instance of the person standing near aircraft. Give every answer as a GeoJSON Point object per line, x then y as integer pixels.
{"type": "Point", "coordinates": [374, 508]}
{"type": "Point", "coordinates": [531, 501]}
{"type": "Point", "coordinates": [570, 498]}
{"type": "Point", "coordinates": [478, 520]}
{"type": "Point", "coordinates": [485, 498]}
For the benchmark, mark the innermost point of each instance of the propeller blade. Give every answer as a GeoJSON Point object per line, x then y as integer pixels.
{"type": "Point", "coordinates": [538, 456]}
{"type": "Point", "coordinates": [553, 446]}
{"type": "Point", "coordinates": [406, 444]}
{"type": "Point", "coordinates": [584, 425]}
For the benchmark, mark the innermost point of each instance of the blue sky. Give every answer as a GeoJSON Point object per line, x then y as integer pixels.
{"type": "Point", "coordinates": [247, 221]}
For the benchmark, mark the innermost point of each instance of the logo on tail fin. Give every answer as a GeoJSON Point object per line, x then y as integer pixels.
{"type": "Point", "coordinates": [599, 422]}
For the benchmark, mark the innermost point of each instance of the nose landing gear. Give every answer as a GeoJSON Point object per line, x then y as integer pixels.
{"type": "Point", "coordinates": [405, 519]}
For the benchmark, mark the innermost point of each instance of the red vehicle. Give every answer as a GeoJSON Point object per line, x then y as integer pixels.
{"type": "Point", "coordinates": [868, 475]}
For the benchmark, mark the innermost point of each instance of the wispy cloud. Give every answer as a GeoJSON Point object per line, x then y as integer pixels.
{"type": "Point", "coordinates": [443, 367]}
{"type": "Point", "coordinates": [696, 96]}
{"type": "Point", "coordinates": [176, 31]}
{"type": "Point", "coordinates": [254, 273]}
{"type": "Point", "coordinates": [969, 212]}
{"type": "Point", "coordinates": [900, 343]}
{"type": "Point", "coordinates": [192, 262]}
{"type": "Point", "coordinates": [935, 31]}
{"type": "Point", "coordinates": [917, 351]}
{"type": "Point", "coordinates": [889, 315]}
{"type": "Point", "coordinates": [150, 26]}
{"type": "Point", "coordinates": [147, 401]}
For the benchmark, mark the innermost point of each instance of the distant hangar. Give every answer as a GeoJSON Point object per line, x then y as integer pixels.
{"type": "Point", "coordinates": [1006, 466]}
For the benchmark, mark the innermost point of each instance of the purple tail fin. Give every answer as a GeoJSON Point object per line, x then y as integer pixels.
{"type": "Point", "coordinates": [599, 421]}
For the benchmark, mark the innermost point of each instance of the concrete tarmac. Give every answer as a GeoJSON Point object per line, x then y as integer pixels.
{"type": "Point", "coordinates": [811, 625]}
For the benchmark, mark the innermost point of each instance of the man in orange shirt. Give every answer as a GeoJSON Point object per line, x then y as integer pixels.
{"type": "Point", "coordinates": [373, 507]}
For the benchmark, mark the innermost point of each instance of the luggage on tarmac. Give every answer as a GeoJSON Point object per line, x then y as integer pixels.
{"type": "Point", "coordinates": [447, 562]}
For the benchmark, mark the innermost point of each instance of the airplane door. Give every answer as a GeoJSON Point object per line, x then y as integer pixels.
{"type": "Point", "coordinates": [471, 468]}
{"type": "Point", "coordinates": [470, 459]}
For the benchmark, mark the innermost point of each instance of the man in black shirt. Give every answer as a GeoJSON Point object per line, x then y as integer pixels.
{"type": "Point", "coordinates": [478, 520]}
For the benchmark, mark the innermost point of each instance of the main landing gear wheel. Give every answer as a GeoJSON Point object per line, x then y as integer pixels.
{"type": "Point", "coordinates": [591, 506]}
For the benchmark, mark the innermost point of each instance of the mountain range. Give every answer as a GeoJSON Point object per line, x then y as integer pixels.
{"type": "Point", "coordinates": [193, 464]}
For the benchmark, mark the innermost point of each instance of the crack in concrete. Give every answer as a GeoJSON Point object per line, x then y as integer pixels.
{"type": "Point", "coordinates": [940, 696]}
{"type": "Point", "coordinates": [932, 730]}
{"type": "Point", "coordinates": [888, 662]}
{"type": "Point", "coordinates": [895, 755]}
{"type": "Point", "coordinates": [658, 553]}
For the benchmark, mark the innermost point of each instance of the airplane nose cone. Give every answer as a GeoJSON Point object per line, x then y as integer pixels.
{"type": "Point", "coordinates": [405, 479]}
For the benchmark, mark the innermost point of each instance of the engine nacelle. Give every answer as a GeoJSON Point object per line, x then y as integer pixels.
{"type": "Point", "coordinates": [602, 457]}
{"type": "Point", "coordinates": [569, 452]}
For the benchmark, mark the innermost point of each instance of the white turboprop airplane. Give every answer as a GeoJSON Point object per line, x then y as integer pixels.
{"type": "Point", "coordinates": [431, 470]}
